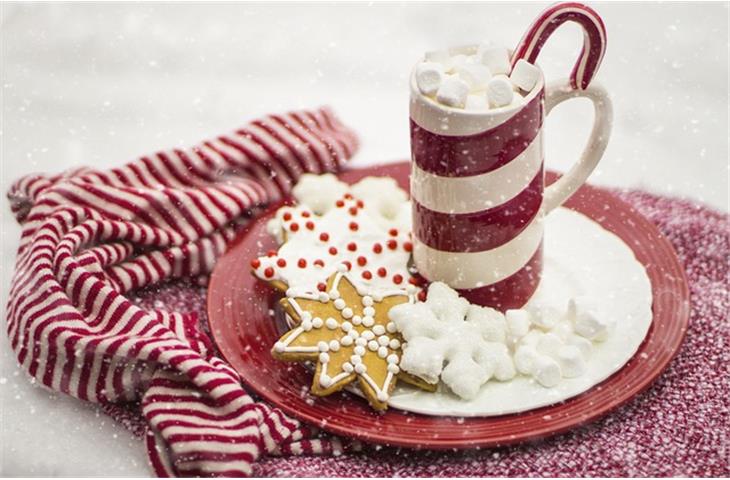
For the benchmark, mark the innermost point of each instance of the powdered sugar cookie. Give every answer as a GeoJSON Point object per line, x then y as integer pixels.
{"type": "Point", "coordinates": [451, 340]}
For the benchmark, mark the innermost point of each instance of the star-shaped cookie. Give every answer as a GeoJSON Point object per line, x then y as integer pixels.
{"type": "Point", "coordinates": [345, 330]}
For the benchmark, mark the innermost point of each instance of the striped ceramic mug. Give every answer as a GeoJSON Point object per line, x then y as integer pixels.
{"type": "Point", "coordinates": [477, 185]}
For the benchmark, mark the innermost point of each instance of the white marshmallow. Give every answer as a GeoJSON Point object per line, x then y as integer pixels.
{"type": "Point", "coordinates": [461, 50]}
{"type": "Point", "coordinates": [457, 61]}
{"type": "Point", "coordinates": [496, 58]}
{"type": "Point", "coordinates": [504, 368]}
{"type": "Point", "coordinates": [587, 322]}
{"type": "Point", "coordinates": [517, 101]}
{"type": "Point", "coordinates": [476, 75]}
{"type": "Point", "coordinates": [550, 344]}
{"type": "Point", "coordinates": [439, 56]}
{"type": "Point", "coordinates": [546, 371]}
{"type": "Point", "coordinates": [525, 75]}
{"type": "Point", "coordinates": [499, 92]}
{"type": "Point", "coordinates": [525, 358]}
{"type": "Point", "coordinates": [571, 361]}
{"type": "Point", "coordinates": [429, 77]}
{"type": "Point", "coordinates": [532, 338]}
{"type": "Point", "coordinates": [584, 345]}
{"type": "Point", "coordinates": [453, 92]}
{"type": "Point", "coordinates": [518, 323]}
{"type": "Point", "coordinates": [563, 329]}
{"type": "Point", "coordinates": [477, 103]}
{"type": "Point", "coordinates": [546, 316]}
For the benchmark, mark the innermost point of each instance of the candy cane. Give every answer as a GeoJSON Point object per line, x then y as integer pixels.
{"type": "Point", "coordinates": [594, 39]}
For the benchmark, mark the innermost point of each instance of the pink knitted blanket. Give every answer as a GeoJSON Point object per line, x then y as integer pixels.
{"type": "Point", "coordinates": [94, 243]}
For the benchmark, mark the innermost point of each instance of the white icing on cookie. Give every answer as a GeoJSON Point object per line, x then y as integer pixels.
{"type": "Point", "coordinates": [386, 202]}
{"type": "Point", "coordinates": [364, 340]}
{"type": "Point", "coordinates": [347, 237]}
{"type": "Point", "coordinates": [385, 196]}
{"type": "Point", "coordinates": [450, 339]}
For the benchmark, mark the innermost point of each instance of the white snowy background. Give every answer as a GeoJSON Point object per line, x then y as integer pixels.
{"type": "Point", "coordinates": [90, 84]}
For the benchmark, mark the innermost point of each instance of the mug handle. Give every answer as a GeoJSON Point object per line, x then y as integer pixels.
{"type": "Point", "coordinates": [557, 92]}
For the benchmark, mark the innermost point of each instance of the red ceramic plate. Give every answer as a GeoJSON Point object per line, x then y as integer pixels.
{"type": "Point", "coordinates": [239, 309]}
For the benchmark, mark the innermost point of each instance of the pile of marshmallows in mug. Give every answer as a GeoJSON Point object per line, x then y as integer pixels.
{"type": "Point", "coordinates": [475, 82]}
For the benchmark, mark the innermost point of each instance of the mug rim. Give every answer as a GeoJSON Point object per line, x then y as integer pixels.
{"type": "Point", "coordinates": [539, 87]}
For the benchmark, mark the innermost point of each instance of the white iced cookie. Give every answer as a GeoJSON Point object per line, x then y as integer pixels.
{"type": "Point", "coordinates": [384, 196]}
{"type": "Point", "coordinates": [491, 323]}
{"type": "Point", "coordinates": [319, 192]}
{"type": "Point", "coordinates": [357, 233]}
{"type": "Point", "coordinates": [275, 226]}
{"type": "Point", "coordinates": [384, 199]}
{"type": "Point", "coordinates": [448, 339]}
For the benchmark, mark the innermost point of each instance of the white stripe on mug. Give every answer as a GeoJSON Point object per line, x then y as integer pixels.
{"type": "Point", "coordinates": [478, 192]}
{"type": "Point", "coordinates": [477, 269]}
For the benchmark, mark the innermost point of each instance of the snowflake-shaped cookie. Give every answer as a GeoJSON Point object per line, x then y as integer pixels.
{"type": "Point", "coordinates": [345, 330]}
{"type": "Point", "coordinates": [451, 340]}
{"type": "Point", "coordinates": [385, 201]}
{"type": "Point", "coordinates": [315, 245]}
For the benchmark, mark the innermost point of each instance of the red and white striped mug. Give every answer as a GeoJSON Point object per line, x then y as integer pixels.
{"type": "Point", "coordinates": [477, 186]}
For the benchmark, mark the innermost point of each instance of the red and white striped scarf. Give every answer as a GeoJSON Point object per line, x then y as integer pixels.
{"type": "Point", "coordinates": [89, 237]}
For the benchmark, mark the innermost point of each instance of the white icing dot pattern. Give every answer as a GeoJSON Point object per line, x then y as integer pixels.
{"type": "Point", "coordinates": [366, 337]}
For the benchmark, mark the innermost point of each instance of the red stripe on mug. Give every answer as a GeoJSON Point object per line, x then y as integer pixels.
{"type": "Point", "coordinates": [478, 231]}
{"type": "Point", "coordinates": [463, 156]}
{"type": "Point", "coordinates": [512, 292]}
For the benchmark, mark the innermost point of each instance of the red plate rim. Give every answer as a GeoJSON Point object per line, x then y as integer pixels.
{"type": "Point", "coordinates": [239, 320]}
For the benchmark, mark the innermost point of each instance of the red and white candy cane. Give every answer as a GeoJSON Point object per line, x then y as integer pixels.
{"type": "Point", "coordinates": [594, 39]}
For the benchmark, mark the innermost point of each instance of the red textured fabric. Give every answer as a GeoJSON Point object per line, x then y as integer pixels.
{"type": "Point", "coordinates": [679, 427]}
{"type": "Point", "coordinates": [90, 237]}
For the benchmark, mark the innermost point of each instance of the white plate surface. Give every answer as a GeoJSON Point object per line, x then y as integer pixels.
{"type": "Point", "coordinates": [581, 258]}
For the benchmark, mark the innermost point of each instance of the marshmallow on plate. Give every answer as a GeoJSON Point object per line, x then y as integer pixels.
{"type": "Point", "coordinates": [587, 322]}
{"type": "Point", "coordinates": [518, 324]}
{"type": "Point", "coordinates": [571, 361]}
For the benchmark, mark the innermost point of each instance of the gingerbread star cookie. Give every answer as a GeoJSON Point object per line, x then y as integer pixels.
{"type": "Point", "coordinates": [345, 330]}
